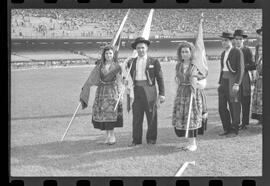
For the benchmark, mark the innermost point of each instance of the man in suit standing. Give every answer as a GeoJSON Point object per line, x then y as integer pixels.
{"type": "Point", "coordinates": [232, 70]}
{"type": "Point", "coordinates": [239, 37]}
{"type": "Point", "coordinates": [245, 86]}
{"type": "Point", "coordinates": [145, 71]}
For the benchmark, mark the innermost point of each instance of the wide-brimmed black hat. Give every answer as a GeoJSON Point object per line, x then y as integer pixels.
{"type": "Point", "coordinates": [239, 32]}
{"type": "Point", "coordinates": [227, 35]}
{"type": "Point", "coordinates": [140, 40]}
{"type": "Point", "coordinates": [259, 31]}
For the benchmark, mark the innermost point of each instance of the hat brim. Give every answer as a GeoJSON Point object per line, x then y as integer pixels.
{"type": "Point", "coordinates": [244, 36]}
{"type": "Point", "coordinates": [133, 45]}
{"type": "Point", "coordinates": [226, 37]}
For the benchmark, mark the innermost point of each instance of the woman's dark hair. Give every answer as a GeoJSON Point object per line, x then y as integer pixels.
{"type": "Point", "coordinates": [185, 44]}
{"type": "Point", "coordinates": [105, 49]}
{"type": "Point", "coordinates": [182, 45]}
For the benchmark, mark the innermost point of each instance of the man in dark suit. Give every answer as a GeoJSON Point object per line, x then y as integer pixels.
{"type": "Point", "coordinates": [145, 72]}
{"type": "Point", "coordinates": [259, 41]}
{"type": "Point", "coordinates": [245, 86]}
{"type": "Point", "coordinates": [231, 75]}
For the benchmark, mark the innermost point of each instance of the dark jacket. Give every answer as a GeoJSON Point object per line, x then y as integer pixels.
{"type": "Point", "coordinates": [235, 65]}
{"type": "Point", "coordinates": [248, 59]}
{"type": "Point", "coordinates": [249, 65]}
{"type": "Point", "coordinates": [153, 73]}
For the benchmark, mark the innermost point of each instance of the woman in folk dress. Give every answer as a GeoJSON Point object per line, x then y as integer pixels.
{"type": "Point", "coordinates": [189, 80]}
{"type": "Point", "coordinates": [257, 94]}
{"type": "Point", "coordinates": [104, 117]}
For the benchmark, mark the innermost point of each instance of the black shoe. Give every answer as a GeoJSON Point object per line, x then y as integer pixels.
{"type": "Point", "coordinates": [231, 135]}
{"type": "Point", "coordinates": [133, 144]}
{"type": "Point", "coordinates": [224, 133]}
{"type": "Point", "coordinates": [151, 142]}
{"type": "Point", "coordinates": [243, 127]}
{"type": "Point", "coordinates": [233, 132]}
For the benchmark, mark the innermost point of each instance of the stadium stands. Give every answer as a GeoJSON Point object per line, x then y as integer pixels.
{"type": "Point", "coordinates": [39, 35]}
{"type": "Point", "coordinates": [103, 23]}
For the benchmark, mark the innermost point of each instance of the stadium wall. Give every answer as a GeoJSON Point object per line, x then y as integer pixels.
{"type": "Point", "coordinates": [86, 51]}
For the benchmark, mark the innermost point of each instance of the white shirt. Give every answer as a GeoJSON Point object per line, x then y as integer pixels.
{"type": "Point", "coordinates": [140, 68]}
{"type": "Point", "coordinates": [225, 68]}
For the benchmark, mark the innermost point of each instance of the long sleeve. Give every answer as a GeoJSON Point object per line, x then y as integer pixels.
{"type": "Point", "coordinates": [240, 67]}
{"type": "Point", "coordinates": [221, 67]}
{"type": "Point", "coordinates": [159, 78]}
{"type": "Point", "coordinates": [93, 79]}
{"type": "Point", "coordinates": [249, 63]}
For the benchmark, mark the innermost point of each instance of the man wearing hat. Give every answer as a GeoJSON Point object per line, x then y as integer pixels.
{"type": "Point", "coordinates": [145, 72]}
{"type": "Point", "coordinates": [245, 87]}
{"type": "Point", "coordinates": [259, 41]}
{"type": "Point", "coordinates": [232, 70]}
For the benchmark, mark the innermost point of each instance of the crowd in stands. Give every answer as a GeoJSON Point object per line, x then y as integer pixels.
{"type": "Point", "coordinates": [103, 23]}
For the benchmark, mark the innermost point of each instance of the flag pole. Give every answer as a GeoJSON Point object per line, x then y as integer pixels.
{"type": "Point", "coordinates": [71, 121]}
{"type": "Point", "coordinates": [146, 35]}
{"type": "Point", "coordinates": [189, 114]}
{"type": "Point", "coordinates": [113, 42]}
{"type": "Point", "coordinates": [123, 89]}
{"type": "Point", "coordinates": [191, 94]}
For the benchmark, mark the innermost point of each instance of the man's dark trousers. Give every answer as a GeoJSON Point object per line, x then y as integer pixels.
{"type": "Point", "coordinates": [245, 102]}
{"type": "Point", "coordinates": [139, 107]}
{"type": "Point", "coordinates": [230, 118]}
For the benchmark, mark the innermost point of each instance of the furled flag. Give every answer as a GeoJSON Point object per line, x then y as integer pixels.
{"type": "Point", "coordinates": [199, 59]}
{"type": "Point", "coordinates": [94, 77]}
{"type": "Point", "coordinates": [145, 35]}
{"type": "Point", "coordinates": [117, 47]}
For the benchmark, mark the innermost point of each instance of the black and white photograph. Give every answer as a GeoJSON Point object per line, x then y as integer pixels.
{"type": "Point", "coordinates": [136, 92]}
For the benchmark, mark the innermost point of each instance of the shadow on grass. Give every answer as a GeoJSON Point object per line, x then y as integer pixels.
{"type": "Point", "coordinates": [50, 116]}
{"type": "Point", "coordinates": [68, 154]}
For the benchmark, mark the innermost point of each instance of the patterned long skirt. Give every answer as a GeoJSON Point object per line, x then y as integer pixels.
{"type": "Point", "coordinates": [181, 108]}
{"type": "Point", "coordinates": [104, 117]}
{"type": "Point", "coordinates": [257, 101]}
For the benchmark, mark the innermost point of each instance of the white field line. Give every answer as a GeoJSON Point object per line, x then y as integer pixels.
{"type": "Point", "coordinates": [53, 67]}
{"type": "Point", "coordinates": [182, 169]}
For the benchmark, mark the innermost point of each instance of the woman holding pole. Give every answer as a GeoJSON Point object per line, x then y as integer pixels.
{"type": "Point", "coordinates": [189, 111]}
{"type": "Point", "coordinates": [105, 117]}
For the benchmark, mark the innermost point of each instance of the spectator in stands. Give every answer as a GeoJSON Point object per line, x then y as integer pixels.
{"type": "Point", "coordinates": [164, 21]}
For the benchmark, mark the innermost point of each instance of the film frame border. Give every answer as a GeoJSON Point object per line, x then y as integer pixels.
{"type": "Point", "coordinates": [173, 4]}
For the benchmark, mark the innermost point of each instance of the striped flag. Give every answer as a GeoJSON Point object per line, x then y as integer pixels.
{"type": "Point", "coordinates": [94, 77]}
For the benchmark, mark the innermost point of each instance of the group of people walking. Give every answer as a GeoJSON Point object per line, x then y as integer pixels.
{"type": "Point", "coordinates": [189, 114]}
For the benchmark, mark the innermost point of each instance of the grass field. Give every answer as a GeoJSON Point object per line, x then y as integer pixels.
{"type": "Point", "coordinates": [42, 104]}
